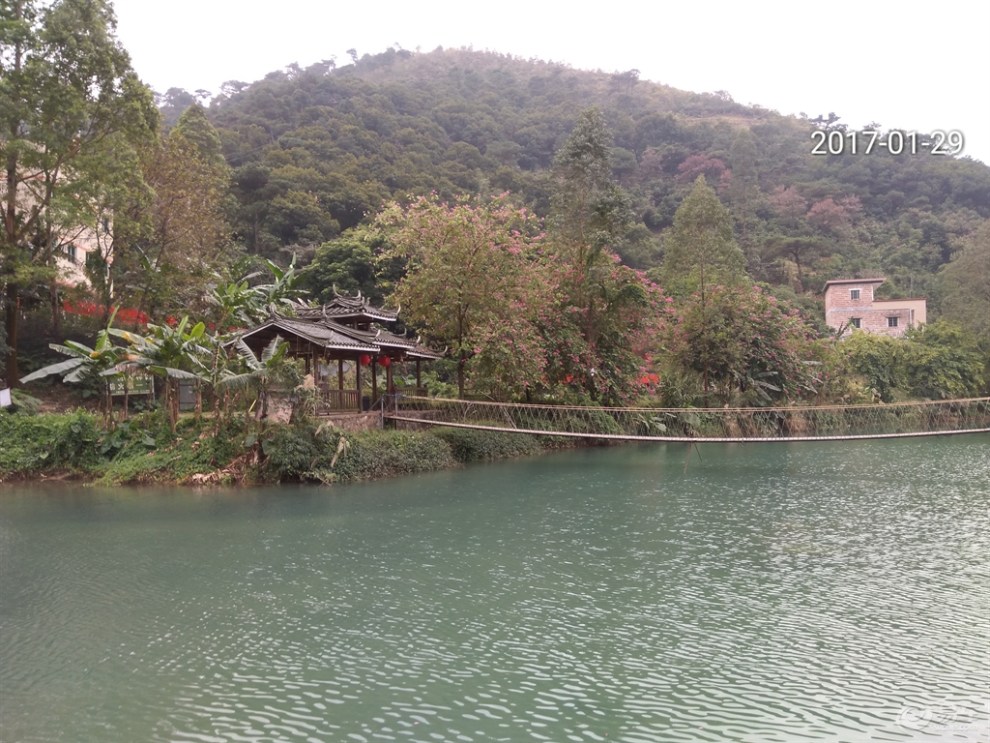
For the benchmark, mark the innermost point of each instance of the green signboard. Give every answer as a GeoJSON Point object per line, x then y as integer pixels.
{"type": "Point", "coordinates": [137, 384]}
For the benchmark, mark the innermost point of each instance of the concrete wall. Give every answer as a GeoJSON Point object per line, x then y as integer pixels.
{"type": "Point", "coordinates": [917, 307]}
{"type": "Point", "coordinates": [874, 315]}
{"type": "Point", "coordinates": [354, 422]}
{"type": "Point", "coordinates": [79, 240]}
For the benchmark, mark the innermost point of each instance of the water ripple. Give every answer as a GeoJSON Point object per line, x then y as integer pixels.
{"type": "Point", "coordinates": [788, 593]}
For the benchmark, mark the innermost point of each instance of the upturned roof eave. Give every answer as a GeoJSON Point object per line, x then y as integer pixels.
{"type": "Point", "coordinates": [328, 343]}
{"type": "Point", "coordinates": [328, 335]}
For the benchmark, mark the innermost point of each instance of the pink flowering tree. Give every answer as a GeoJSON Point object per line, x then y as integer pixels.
{"type": "Point", "coordinates": [835, 216]}
{"type": "Point", "coordinates": [475, 281]}
{"type": "Point", "coordinates": [603, 331]}
{"type": "Point", "coordinates": [602, 306]}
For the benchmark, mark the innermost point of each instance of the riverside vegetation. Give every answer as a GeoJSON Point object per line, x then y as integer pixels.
{"type": "Point", "coordinates": [144, 450]}
{"type": "Point", "coordinates": [660, 248]}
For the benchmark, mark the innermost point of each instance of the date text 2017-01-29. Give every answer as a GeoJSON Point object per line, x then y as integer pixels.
{"type": "Point", "coordinates": [895, 142]}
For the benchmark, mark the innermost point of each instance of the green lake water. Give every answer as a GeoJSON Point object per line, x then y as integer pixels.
{"type": "Point", "coordinates": [764, 592]}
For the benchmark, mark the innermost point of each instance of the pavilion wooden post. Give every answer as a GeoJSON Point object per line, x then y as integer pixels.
{"type": "Point", "coordinates": [389, 390]}
{"type": "Point", "coordinates": [357, 382]}
{"type": "Point", "coordinates": [419, 384]}
{"type": "Point", "coordinates": [374, 380]}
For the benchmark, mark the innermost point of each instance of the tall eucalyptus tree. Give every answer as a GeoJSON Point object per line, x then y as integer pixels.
{"type": "Point", "coordinates": [69, 100]}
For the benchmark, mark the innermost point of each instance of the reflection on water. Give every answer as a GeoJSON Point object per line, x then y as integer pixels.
{"type": "Point", "coordinates": [785, 592]}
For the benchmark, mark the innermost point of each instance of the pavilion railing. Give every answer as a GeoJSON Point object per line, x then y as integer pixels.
{"type": "Point", "coordinates": [337, 400]}
{"type": "Point", "coordinates": [792, 423]}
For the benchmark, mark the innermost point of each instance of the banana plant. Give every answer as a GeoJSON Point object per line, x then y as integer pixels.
{"type": "Point", "coordinates": [281, 293]}
{"type": "Point", "coordinates": [172, 354]}
{"type": "Point", "coordinates": [99, 363]}
{"type": "Point", "coordinates": [245, 304]}
{"type": "Point", "coordinates": [261, 372]}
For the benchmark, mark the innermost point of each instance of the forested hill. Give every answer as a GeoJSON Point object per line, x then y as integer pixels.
{"type": "Point", "coordinates": [315, 150]}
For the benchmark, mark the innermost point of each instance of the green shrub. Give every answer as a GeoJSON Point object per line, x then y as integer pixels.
{"type": "Point", "coordinates": [143, 454]}
{"type": "Point", "coordinates": [376, 454]}
{"type": "Point", "coordinates": [942, 362]}
{"type": "Point", "coordinates": [22, 403]}
{"type": "Point", "coordinates": [48, 443]}
{"type": "Point", "coordinates": [470, 445]}
{"type": "Point", "coordinates": [128, 436]}
{"type": "Point", "coordinates": [877, 359]}
{"type": "Point", "coordinates": [291, 452]}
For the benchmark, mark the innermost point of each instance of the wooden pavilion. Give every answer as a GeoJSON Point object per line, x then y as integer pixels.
{"type": "Point", "coordinates": [346, 330]}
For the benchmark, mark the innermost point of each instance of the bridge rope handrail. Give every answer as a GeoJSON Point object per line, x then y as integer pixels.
{"type": "Point", "coordinates": [832, 422]}
{"type": "Point", "coordinates": [726, 409]}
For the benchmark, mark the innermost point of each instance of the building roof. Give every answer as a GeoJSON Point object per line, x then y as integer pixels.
{"type": "Point", "coordinates": [319, 328]}
{"type": "Point", "coordinates": [315, 334]}
{"type": "Point", "coordinates": [387, 342]}
{"type": "Point", "coordinates": [357, 309]}
{"type": "Point", "coordinates": [879, 280]}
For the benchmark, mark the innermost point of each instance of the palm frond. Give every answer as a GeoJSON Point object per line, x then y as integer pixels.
{"type": "Point", "coordinates": [71, 348]}
{"type": "Point", "coordinates": [247, 355]}
{"type": "Point", "coordinates": [238, 381]}
{"type": "Point", "coordinates": [274, 351]}
{"type": "Point", "coordinates": [62, 367]}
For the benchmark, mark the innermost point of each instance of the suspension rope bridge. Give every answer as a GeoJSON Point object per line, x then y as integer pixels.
{"type": "Point", "coordinates": [793, 423]}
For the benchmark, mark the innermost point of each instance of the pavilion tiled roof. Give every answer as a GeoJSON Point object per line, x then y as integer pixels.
{"type": "Point", "coordinates": [379, 336]}
{"type": "Point", "coordinates": [386, 340]}
{"type": "Point", "coordinates": [349, 308]}
{"type": "Point", "coordinates": [344, 324]}
{"type": "Point", "coordinates": [419, 351]}
{"type": "Point", "coordinates": [318, 334]}
{"type": "Point", "coordinates": [331, 336]}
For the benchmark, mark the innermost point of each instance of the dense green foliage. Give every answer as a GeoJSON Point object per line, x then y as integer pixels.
{"type": "Point", "coordinates": [72, 114]}
{"type": "Point", "coordinates": [941, 362]}
{"type": "Point", "coordinates": [878, 361]}
{"type": "Point", "coordinates": [175, 240]}
{"type": "Point", "coordinates": [964, 292]}
{"type": "Point", "coordinates": [606, 312]}
{"type": "Point", "coordinates": [701, 249]}
{"type": "Point", "coordinates": [34, 444]}
{"type": "Point", "coordinates": [936, 361]}
{"type": "Point", "coordinates": [630, 221]}
{"type": "Point", "coordinates": [318, 453]}
{"type": "Point", "coordinates": [376, 454]}
{"type": "Point", "coordinates": [140, 450]}
{"type": "Point", "coordinates": [748, 348]}
{"type": "Point", "coordinates": [455, 122]}
{"type": "Point", "coordinates": [622, 179]}
{"type": "Point", "coordinates": [143, 450]}
{"type": "Point", "coordinates": [468, 445]}
{"type": "Point", "coordinates": [474, 280]}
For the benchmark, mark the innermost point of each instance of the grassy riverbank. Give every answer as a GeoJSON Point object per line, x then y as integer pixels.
{"type": "Point", "coordinates": [143, 450]}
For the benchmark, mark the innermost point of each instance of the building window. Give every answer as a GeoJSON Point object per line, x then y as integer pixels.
{"type": "Point", "coordinates": [855, 322]}
{"type": "Point", "coordinates": [891, 322]}
{"type": "Point", "coordinates": [854, 294]}
{"type": "Point", "coordinates": [70, 252]}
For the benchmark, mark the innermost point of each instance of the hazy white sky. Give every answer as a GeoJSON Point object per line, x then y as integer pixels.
{"type": "Point", "coordinates": [910, 65]}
